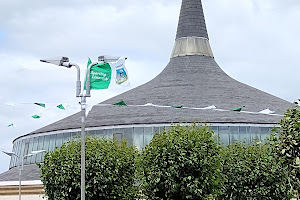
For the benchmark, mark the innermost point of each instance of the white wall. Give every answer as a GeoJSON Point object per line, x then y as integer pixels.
{"type": "Point", "coordinates": [24, 197]}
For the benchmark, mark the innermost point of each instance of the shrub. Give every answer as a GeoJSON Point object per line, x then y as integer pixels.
{"type": "Point", "coordinates": [253, 172]}
{"type": "Point", "coordinates": [181, 163]}
{"type": "Point", "coordinates": [110, 170]}
{"type": "Point", "coordinates": [289, 145]}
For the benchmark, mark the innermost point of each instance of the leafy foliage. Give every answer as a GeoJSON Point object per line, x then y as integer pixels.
{"type": "Point", "coordinates": [110, 169]}
{"type": "Point", "coordinates": [254, 172]}
{"type": "Point", "coordinates": [181, 163]}
{"type": "Point", "coordinates": [289, 146]}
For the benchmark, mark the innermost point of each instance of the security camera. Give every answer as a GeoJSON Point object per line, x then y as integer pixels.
{"type": "Point", "coordinates": [60, 61]}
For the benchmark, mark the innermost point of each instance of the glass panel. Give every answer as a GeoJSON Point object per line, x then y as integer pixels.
{"type": "Point", "coordinates": [40, 147]}
{"type": "Point", "coordinates": [27, 160]}
{"type": "Point", "coordinates": [245, 135]}
{"type": "Point", "coordinates": [17, 152]}
{"type": "Point", "coordinates": [22, 149]}
{"type": "Point", "coordinates": [167, 128]}
{"type": "Point", "coordinates": [234, 134]}
{"type": "Point", "coordinates": [128, 135]}
{"type": "Point", "coordinates": [75, 134]}
{"type": "Point", "coordinates": [215, 129]}
{"type": "Point", "coordinates": [148, 135]}
{"type": "Point", "coordinates": [156, 130]}
{"type": "Point", "coordinates": [118, 136]}
{"type": "Point", "coordinates": [26, 146]}
{"type": "Point", "coordinates": [91, 133]}
{"type": "Point", "coordinates": [52, 142]}
{"type": "Point", "coordinates": [108, 133]}
{"type": "Point", "coordinates": [255, 133]}
{"type": "Point", "coordinates": [59, 140]}
{"type": "Point", "coordinates": [34, 148]}
{"type": "Point", "coordinates": [224, 135]}
{"type": "Point", "coordinates": [99, 133]}
{"type": "Point", "coordinates": [67, 137]}
{"type": "Point", "coordinates": [118, 130]}
{"type": "Point", "coordinates": [162, 129]}
{"type": "Point", "coordinates": [138, 137]}
{"type": "Point", "coordinates": [264, 134]}
{"type": "Point", "coordinates": [13, 158]}
{"type": "Point", "coordinates": [46, 142]}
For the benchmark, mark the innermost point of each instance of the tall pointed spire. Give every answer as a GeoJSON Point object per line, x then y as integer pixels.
{"type": "Point", "coordinates": [192, 37]}
{"type": "Point", "coordinates": [191, 21]}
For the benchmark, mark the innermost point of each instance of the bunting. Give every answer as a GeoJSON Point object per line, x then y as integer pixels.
{"type": "Point", "coordinates": [36, 116]}
{"type": "Point", "coordinates": [238, 109]}
{"type": "Point", "coordinates": [41, 104]}
{"type": "Point", "coordinates": [60, 106]}
{"type": "Point", "coordinates": [123, 103]}
{"type": "Point", "coordinates": [120, 103]}
{"type": "Point", "coordinates": [11, 125]}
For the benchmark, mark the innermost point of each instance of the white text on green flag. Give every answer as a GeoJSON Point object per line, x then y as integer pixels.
{"type": "Point", "coordinates": [100, 76]}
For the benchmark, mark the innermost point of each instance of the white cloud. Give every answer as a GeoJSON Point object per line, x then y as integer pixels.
{"type": "Point", "coordinates": [256, 42]}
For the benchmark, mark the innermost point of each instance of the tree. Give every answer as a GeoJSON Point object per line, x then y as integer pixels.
{"type": "Point", "coordinates": [289, 145]}
{"type": "Point", "coordinates": [181, 163]}
{"type": "Point", "coordinates": [254, 172]}
{"type": "Point", "coordinates": [110, 169]}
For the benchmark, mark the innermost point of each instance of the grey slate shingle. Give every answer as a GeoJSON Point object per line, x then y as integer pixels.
{"type": "Point", "coordinates": [30, 172]}
{"type": "Point", "coordinates": [192, 81]}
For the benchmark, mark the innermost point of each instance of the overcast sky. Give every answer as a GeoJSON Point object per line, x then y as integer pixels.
{"type": "Point", "coordinates": [256, 42]}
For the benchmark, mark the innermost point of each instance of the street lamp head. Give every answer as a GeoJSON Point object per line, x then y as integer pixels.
{"type": "Point", "coordinates": [59, 61]}
{"type": "Point", "coordinates": [10, 153]}
{"type": "Point", "coordinates": [107, 58]}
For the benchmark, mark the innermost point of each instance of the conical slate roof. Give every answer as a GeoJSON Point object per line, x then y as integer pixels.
{"type": "Point", "coordinates": [192, 79]}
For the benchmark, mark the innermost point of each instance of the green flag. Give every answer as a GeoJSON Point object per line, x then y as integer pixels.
{"type": "Point", "coordinates": [11, 125]}
{"type": "Point", "coordinates": [120, 103]}
{"type": "Point", "coordinates": [60, 106]}
{"type": "Point", "coordinates": [36, 116]}
{"type": "Point", "coordinates": [177, 106]}
{"type": "Point", "coordinates": [41, 104]}
{"type": "Point", "coordinates": [100, 76]}
{"type": "Point", "coordinates": [238, 109]}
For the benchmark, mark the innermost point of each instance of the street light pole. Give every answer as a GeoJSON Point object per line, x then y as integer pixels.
{"type": "Point", "coordinates": [64, 61]}
{"type": "Point", "coordinates": [21, 164]}
{"type": "Point", "coordinates": [83, 108]}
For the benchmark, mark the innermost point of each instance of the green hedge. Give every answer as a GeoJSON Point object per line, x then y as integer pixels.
{"type": "Point", "coordinates": [289, 145]}
{"type": "Point", "coordinates": [185, 162]}
{"type": "Point", "coordinates": [181, 163]}
{"type": "Point", "coordinates": [254, 172]}
{"type": "Point", "coordinates": [110, 169]}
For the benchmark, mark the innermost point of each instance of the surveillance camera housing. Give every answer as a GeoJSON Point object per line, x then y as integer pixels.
{"type": "Point", "coordinates": [57, 61]}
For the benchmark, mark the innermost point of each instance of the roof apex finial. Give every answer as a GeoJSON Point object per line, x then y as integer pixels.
{"type": "Point", "coordinates": [191, 21]}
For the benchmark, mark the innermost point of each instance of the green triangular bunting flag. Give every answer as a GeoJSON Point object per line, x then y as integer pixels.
{"type": "Point", "coordinates": [41, 104]}
{"type": "Point", "coordinates": [60, 106]}
{"type": "Point", "coordinates": [120, 103]}
{"type": "Point", "coordinates": [177, 106]}
{"type": "Point", "coordinates": [36, 116]}
{"type": "Point", "coordinates": [238, 109]}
